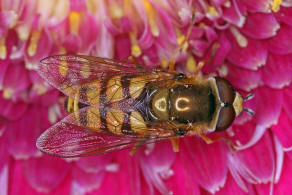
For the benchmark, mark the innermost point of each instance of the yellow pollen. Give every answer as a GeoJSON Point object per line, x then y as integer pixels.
{"type": "Point", "coordinates": [275, 5]}
{"type": "Point", "coordinates": [150, 15]}
{"type": "Point", "coordinates": [191, 64]}
{"type": "Point", "coordinates": [23, 32]}
{"type": "Point", "coordinates": [135, 49]}
{"type": "Point", "coordinates": [40, 89]}
{"type": "Point", "coordinates": [241, 40]}
{"type": "Point", "coordinates": [212, 11]}
{"type": "Point", "coordinates": [164, 63]}
{"type": "Point", "coordinates": [3, 50]}
{"type": "Point", "coordinates": [7, 93]}
{"type": "Point", "coordinates": [63, 68]}
{"type": "Point", "coordinates": [116, 12]}
{"type": "Point", "coordinates": [35, 36]}
{"type": "Point", "coordinates": [74, 21]}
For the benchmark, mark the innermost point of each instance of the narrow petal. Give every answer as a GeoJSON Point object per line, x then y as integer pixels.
{"type": "Point", "coordinates": [222, 51]}
{"type": "Point", "coordinates": [24, 132]}
{"type": "Point", "coordinates": [283, 130]}
{"type": "Point", "coordinates": [257, 6]}
{"type": "Point", "coordinates": [182, 182]}
{"type": "Point", "coordinates": [278, 71]}
{"type": "Point", "coordinates": [46, 173]}
{"type": "Point", "coordinates": [250, 56]}
{"type": "Point", "coordinates": [287, 103]}
{"type": "Point", "coordinates": [126, 181]}
{"type": "Point", "coordinates": [282, 42]}
{"type": "Point", "coordinates": [12, 110]}
{"type": "Point", "coordinates": [285, 182]}
{"type": "Point", "coordinates": [16, 78]}
{"type": "Point", "coordinates": [199, 161]}
{"type": "Point", "coordinates": [94, 164]}
{"type": "Point", "coordinates": [268, 113]}
{"type": "Point", "coordinates": [242, 78]}
{"type": "Point", "coordinates": [231, 188]}
{"type": "Point", "coordinates": [4, 180]}
{"type": "Point", "coordinates": [257, 163]}
{"type": "Point", "coordinates": [156, 167]}
{"type": "Point", "coordinates": [260, 26]}
{"type": "Point", "coordinates": [84, 182]}
{"type": "Point", "coordinates": [88, 32]}
{"type": "Point", "coordinates": [285, 15]}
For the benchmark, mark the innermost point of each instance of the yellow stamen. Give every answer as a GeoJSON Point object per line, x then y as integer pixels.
{"type": "Point", "coordinates": [164, 63]}
{"type": "Point", "coordinates": [181, 40]}
{"type": "Point", "coordinates": [135, 49]}
{"type": "Point", "coordinates": [275, 5]}
{"type": "Point", "coordinates": [116, 12]}
{"type": "Point", "coordinates": [191, 64]}
{"type": "Point", "coordinates": [40, 89]}
{"type": "Point", "coordinates": [241, 40]}
{"type": "Point", "coordinates": [7, 93]}
{"type": "Point", "coordinates": [212, 11]}
{"type": "Point", "coordinates": [151, 18]}
{"type": "Point", "coordinates": [3, 49]}
{"type": "Point", "coordinates": [63, 68]}
{"type": "Point", "coordinates": [74, 21]}
{"type": "Point", "coordinates": [35, 36]}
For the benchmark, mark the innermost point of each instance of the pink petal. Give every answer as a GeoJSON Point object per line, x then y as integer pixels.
{"type": "Point", "coordinates": [250, 57]}
{"type": "Point", "coordinates": [122, 47]}
{"type": "Point", "coordinates": [199, 162]}
{"type": "Point", "coordinates": [44, 46]}
{"type": "Point", "coordinates": [4, 180]}
{"type": "Point", "coordinates": [126, 181]}
{"type": "Point", "coordinates": [222, 51]}
{"type": "Point", "coordinates": [260, 26]}
{"type": "Point", "coordinates": [156, 167]}
{"type": "Point", "coordinates": [231, 188]}
{"type": "Point", "coordinates": [243, 78]}
{"type": "Point", "coordinates": [12, 110]}
{"type": "Point", "coordinates": [285, 182]}
{"type": "Point", "coordinates": [46, 173]}
{"type": "Point", "coordinates": [182, 182]}
{"type": "Point", "coordinates": [233, 15]}
{"type": "Point", "coordinates": [278, 71]}
{"type": "Point", "coordinates": [267, 113]}
{"type": "Point", "coordinates": [282, 130]}
{"type": "Point", "coordinates": [24, 132]}
{"type": "Point", "coordinates": [285, 15]}
{"type": "Point", "coordinates": [88, 32]}
{"type": "Point", "coordinates": [72, 43]}
{"type": "Point", "coordinates": [16, 77]}
{"type": "Point", "coordinates": [257, 6]}
{"type": "Point", "coordinates": [94, 164]}
{"type": "Point", "coordinates": [287, 103]}
{"type": "Point", "coordinates": [257, 163]}
{"type": "Point", "coordinates": [3, 152]}
{"type": "Point", "coordinates": [84, 182]}
{"type": "Point", "coordinates": [282, 42]}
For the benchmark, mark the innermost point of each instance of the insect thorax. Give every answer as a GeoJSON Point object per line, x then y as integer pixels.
{"type": "Point", "coordinates": [183, 103]}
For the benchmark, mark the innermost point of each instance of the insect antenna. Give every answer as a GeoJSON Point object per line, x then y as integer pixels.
{"type": "Point", "coordinates": [249, 111]}
{"type": "Point", "coordinates": [248, 97]}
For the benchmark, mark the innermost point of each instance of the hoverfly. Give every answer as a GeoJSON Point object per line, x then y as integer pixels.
{"type": "Point", "coordinates": [115, 105]}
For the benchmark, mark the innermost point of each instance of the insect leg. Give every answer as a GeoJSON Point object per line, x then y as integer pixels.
{"type": "Point", "coordinates": [136, 147]}
{"type": "Point", "coordinates": [175, 144]}
{"type": "Point", "coordinates": [210, 141]}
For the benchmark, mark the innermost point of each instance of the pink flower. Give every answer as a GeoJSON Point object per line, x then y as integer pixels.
{"type": "Point", "coordinates": [252, 46]}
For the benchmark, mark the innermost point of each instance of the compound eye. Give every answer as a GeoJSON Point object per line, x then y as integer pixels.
{"type": "Point", "coordinates": [225, 119]}
{"type": "Point", "coordinates": [226, 90]}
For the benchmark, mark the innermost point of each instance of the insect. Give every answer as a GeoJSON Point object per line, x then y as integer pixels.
{"type": "Point", "coordinates": [115, 105]}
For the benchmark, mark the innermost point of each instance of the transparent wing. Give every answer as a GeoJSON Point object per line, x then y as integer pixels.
{"type": "Point", "coordinates": [85, 133]}
{"type": "Point", "coordinates": [75, 74]}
